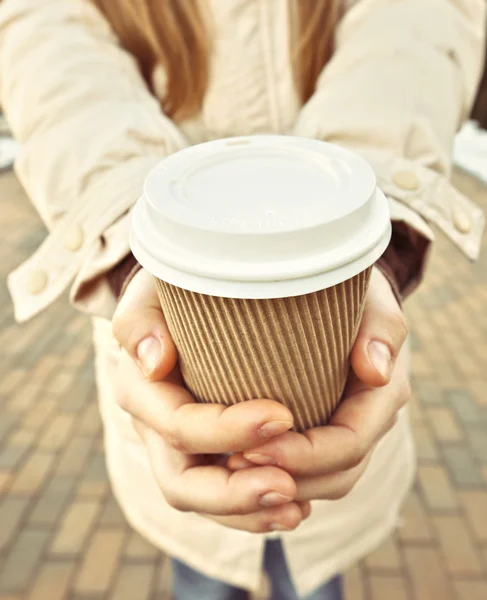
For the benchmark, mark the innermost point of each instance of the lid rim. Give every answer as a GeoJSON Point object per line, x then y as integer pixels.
{"type": "Point", "coordinates": [323, 261]}
{"type": "Point", "coordinates": [268, 289]}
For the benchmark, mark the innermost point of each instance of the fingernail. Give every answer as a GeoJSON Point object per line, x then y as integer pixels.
{"type": "Point", "coordinates": [278, 527]}
{"type": "Point", "coordinates": [261, 459]}
{"type": "Point", "coordinates": [273, 428]}
{"type": "Point", "coordinates": [274, 499]}
{"type": "Point", "coordinates": [380, 356]}
{"type": "Point", "coordinates": [149, 353]}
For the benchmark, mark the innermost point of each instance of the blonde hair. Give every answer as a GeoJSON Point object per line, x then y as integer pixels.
{"type": "Point", "coordinates": [173, 33]}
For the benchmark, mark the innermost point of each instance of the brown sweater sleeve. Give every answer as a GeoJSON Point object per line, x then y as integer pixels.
{"type": "Point", "coordinates": [403, 261]}
{"type": "Point", "coordinates": [122, 274]}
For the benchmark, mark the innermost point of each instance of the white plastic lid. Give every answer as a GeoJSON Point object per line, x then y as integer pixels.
{"type": "Point", "coordinates": [260, 217]}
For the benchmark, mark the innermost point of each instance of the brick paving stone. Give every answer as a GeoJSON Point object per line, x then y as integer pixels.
{"type": "Point", "coordinates": [139, 549]}
{"type": "Point", "coordinates": [52, 500]}
{"type": "Point", "coordinates": [477, 441]}
{"type": "Point", "coordinates": [388, 588]}
{"type": "Point", "coordinates": [462, 466]}
{"type": "Point", "coordinates": [427, 390]}
{"type": "Point", "coordinates": [415, 522]}
{"type": "Point", "coordinates": [45, 366]}
{"type": "Point", "coordinates": [10, 380]}
{"type": "Point", "coordinates": [385, 557]}
{"type": "Point", "coordinates": [457, 546]}
{"type": "Point", "coordinates": [421, 365]}
{"type": "Point", "coordinates": [32, 349]}
{"type": "Point", "coordinates": [23, 560]}
{"type": "Point", "coordinates": [7, 423]}
{"type": "Point", "coordinates": [415, 413]}
{"type": "Point", "coordinates": [57, 433]}
{"type": "Point", "coordinates": [468, 363]}
{"type": "Point", "coordinates": [427, 574]}
{"type": "Point", "coordinates": [52, 581]}
{"type": "Point", "coordinates": [164, 578]}
{"type": "Point", "coordinates": [62, 383]}
{"type": "Point", "coordinates": [478, 390]}
{"type": "Point", "coordinates": [90, 423]}
{"type": "Point", "coordinates": [74, 401]}
{"type": "Point", "coordinates": [33, 473]}
{"type": "Point", "coordinates": [465, 407]}
{"type": "Point", "coordinates": [11, 456]}
{"type": "Point", "coordinates": [5, 479]}
{"type": "Point", "coordinates": [444, 424]}
{"type": "Point", "coordinates": [100, 562]}
{"type": "Point", "coordinates": [426, 448]}
{"type": "Point", "coordinates": [22, 438]}
{"type": "Point", "coordinates": [25, 396]}
{"type": "Point", "coordinates": [37, 418]}
{"type": "Point", "coordinates": [134, 582]}
{"type": "Point", "coordinates": [75, 527]}
{"type": "Point", "coordinates": [94, 482]}
{"type": "Point", "coordinates": [93, 489]}
{"type": "Point", "coordinates": [471, 590]}
{"type": "Point", "coordinates": [474, 504]}
{"type": "Point", "coordinates": [354, 584]}
{"type": "Point", "coordinates": [12, 511]}
{"type": "Point", "coordinates": [75, 455]}
{"type": "Point", "coordinates": [436, 486]}
{"type": "Point", "coordinates": [112, 515]}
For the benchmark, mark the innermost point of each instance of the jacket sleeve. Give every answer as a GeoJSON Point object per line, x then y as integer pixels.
{"type": "Point", "coordinates": [402, 80]}
{"type": "Point", "coordinates": [90, 130]}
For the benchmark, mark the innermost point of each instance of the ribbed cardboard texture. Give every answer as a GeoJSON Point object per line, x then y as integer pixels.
{"type": "Point", "coordinates": [294, 350]}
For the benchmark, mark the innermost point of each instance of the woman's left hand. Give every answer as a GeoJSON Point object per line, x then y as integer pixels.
{"type": "Point", "coordinates": [327, 462]}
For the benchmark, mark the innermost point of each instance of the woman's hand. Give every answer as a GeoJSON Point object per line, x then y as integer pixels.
{"type": "Point", "coordinates": [186, 440]}
{"type": "Point", "coordinates": [327, 462]}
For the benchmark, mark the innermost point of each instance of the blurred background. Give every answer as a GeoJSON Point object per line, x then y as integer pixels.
{"type": "Point", "coordinates": [62, 535]}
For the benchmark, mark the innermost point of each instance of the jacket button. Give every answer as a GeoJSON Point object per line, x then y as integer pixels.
{"type": "Point", "coordinates": [36, 282]}
{"type": "Point", "coordinates": [74, 239]}
{"type": "Point", "coordinates": [462, 221]}
{"type": "Point", "coordinates": [406, 180]}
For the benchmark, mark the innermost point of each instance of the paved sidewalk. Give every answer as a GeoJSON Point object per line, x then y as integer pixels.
{"type": "Point", "coordinates": [63, 537]}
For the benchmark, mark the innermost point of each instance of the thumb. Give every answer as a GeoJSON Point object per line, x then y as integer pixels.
{"type": "Point", "coordinates": [140, 328]}
{"type": "Point", "coordinates": [382, 333]}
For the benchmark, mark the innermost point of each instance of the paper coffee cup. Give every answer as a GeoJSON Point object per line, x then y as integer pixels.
{"type": "Point", "coordinates": [262, 249]}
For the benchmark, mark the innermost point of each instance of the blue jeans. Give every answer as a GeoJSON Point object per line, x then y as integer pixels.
{"type": "Point", "coordinates": [191, 585]}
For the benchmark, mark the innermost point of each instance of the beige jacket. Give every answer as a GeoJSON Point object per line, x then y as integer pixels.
{"type": "Point", "coordinates": [402, 80]}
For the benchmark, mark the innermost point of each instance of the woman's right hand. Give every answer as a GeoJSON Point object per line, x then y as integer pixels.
{"type": "Point", "coordinates": [187, 441]}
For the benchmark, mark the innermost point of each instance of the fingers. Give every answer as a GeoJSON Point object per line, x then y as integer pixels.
{"type": "Point", "coordinates": [331, 487]}
{"type": "Point", "coordinates": [188, 484]}
{"type": "Point", "coordinates": [359, 422]}
{"type": "Point", "coordinates": [140, 328]}
{"type": "Point", "coordinates": [382, 333]}
{"type": "Point", "coordinates": [325, 487]}
{"type": "Point", "coordinates": [193, 428]}
{"type": "Point", "coordinates": [283, 518]}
